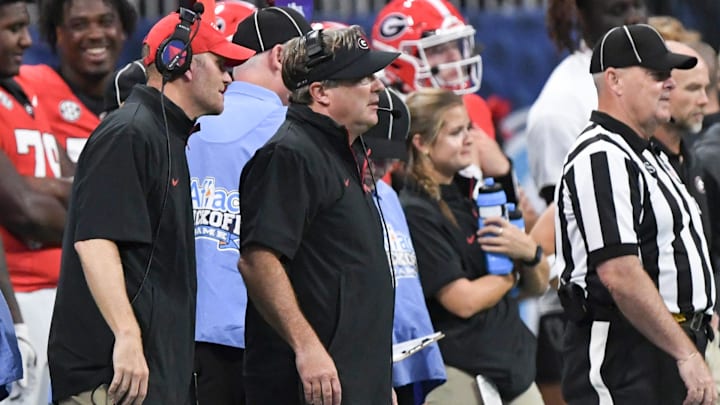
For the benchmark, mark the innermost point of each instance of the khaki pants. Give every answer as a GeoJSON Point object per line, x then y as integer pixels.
{"type": "Point", "coordinates": [461, 389]}
{"type": "Point", "coordinates": [712, 357]}
{"type": "Point", "coordinates": [98, 396]}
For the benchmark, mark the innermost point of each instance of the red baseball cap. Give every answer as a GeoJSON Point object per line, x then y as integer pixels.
{"type": "Point", "coordinates": [207, 39]}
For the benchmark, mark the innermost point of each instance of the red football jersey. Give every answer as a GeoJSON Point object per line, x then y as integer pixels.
{"type": "Point", "coordinates": [479, 113]}
{"type": "Point", "coordinates": [32, 148]}
{"type": "Point", "coordinates": [70, 120]}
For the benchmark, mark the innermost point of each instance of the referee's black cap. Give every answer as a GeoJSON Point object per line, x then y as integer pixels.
{"type": "Point", "coordinates": [386, 140]}
{"type": "Point", "coordinates": [270, 26]}
{"type": "Point", "coordinates": [636, 45]}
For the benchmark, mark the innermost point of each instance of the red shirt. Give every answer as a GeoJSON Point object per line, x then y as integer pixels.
{"type": "Point", "coordinates": [479, 113]}
{"type": "Point", "coordinates": [28, 142]}
{"type": "Point", "coordinates": [71, 121]}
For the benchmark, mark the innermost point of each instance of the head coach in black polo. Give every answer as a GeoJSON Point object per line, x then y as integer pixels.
{"type": "Point", "coordinates": [319, 316]}
{"type": "Point", "coordinates": [636, 281]}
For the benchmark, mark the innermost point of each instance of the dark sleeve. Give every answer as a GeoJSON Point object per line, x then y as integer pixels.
{"type": "Point", "coordinates": [547, 193]}
{"type": "Point", "coordinates": [706, 154]}
{"type": "Point", "coordinates": [438, 262]}
{"type": "Point", "coordinates": [111, 187]}
{"type": "Point", "coordinates": [507, 182]}
{"type": "Point", "coordinates": [712, 190]}
{"type": "Point", "coordinates": [275, 200]}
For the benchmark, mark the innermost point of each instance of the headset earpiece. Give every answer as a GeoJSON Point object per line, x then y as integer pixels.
{"type": "Point", "coordinates": [315, 47]}
{"type": "Point", "coordinates": [174, 54]}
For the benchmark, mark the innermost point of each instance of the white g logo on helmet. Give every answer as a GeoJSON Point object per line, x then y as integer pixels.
{"type": "Point", "coordinates": [393, 25]}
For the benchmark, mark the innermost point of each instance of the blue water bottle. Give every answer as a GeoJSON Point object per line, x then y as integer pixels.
{"type": "Point", "coordinates": [491, 201]}
{"type": "Point", "coordinates": [515, 216]}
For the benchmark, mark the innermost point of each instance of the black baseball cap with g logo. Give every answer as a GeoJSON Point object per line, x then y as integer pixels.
{"type": "Point", "coordinates": [636, 45]}
{"type": "Point", "coordinates": [355, 61]}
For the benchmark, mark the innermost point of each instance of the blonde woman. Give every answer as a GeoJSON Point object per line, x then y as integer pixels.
{"type": "Point", "coordinates": [484, 333]}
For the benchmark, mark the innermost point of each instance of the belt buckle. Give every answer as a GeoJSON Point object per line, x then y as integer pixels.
{"type": "Point", "coordinates": [696, 322]}
{"type": "Point", "coordinates": [679, 318]}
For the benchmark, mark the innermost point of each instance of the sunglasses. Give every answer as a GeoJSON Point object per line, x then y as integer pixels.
{"type": "Point", "coordinates": [659, 76]}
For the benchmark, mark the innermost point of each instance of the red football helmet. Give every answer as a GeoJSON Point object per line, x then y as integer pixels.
{"type": "Point", "coordinates": [437, 46]}
{"type": "Point", "coordinates": [229, 13]}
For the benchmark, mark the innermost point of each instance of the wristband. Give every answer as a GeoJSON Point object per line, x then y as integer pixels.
{"type": "Point", "coordinates": [535, 260]}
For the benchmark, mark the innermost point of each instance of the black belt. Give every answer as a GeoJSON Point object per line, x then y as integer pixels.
{"type": "Point", "coordinates": [695, 321]}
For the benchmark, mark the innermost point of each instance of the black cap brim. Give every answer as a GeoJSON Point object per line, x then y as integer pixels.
{"type": "Point", "coordinates": [366, 65]}
{"type": "Point", "coordinates": [670, 61]}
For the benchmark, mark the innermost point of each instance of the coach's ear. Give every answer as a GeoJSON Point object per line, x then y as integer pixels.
{"type": "Point", "coordinates": [319, 94]}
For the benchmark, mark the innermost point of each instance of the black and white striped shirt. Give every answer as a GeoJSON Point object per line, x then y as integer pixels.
{"type": "Point", "coordinates": [617, 197]}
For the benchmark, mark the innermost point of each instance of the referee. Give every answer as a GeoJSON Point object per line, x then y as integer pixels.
{"type": "Point", "coordinates": [636, 279]}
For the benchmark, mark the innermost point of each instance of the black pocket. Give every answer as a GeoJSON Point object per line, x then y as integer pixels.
{"type": "Point", "coordinates": [572, 298]}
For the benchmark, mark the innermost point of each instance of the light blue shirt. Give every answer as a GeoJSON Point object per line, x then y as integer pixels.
{"type": "Point", "coordinates": [11, 368]}
{"type": "Point", "coordinates": [216, 156]}
{"type": "Point", "coordinates": [411, 315]}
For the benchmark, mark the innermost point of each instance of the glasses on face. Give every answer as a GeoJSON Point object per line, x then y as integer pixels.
{"type": "Point", "coordinates": [659, 76]}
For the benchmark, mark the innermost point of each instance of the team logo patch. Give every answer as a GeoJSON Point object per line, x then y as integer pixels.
{"type": "Point", "coordinates": [649, 167]}
{"type": "Point", "coordinates": [220, 24]}
{"type": "Point", "coordinates": [699, 184]}
{"type": "Point", "coordinates": [5, 101]}
{"type": "Point", "coordinates": [69, 110]}
{"type": "Point", "coordinates": [393, 26]}
{"type": "Point", "coordinates": [362, 43]}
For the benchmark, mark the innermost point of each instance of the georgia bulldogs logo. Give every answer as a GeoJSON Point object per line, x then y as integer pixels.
{"type": "Point", "coordinates": [69, 110]}
{"type": "Point", "coordinates": [220, 24]}
{"type": "Point", "coordinates": [393, 25]}
{"type": "Point", "coordinates": [362, 43]}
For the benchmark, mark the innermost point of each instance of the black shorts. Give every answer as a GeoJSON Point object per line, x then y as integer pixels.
{"type": "Point", "coordinates": [549, 348]}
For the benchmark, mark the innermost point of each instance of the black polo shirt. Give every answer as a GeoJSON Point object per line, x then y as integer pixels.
{"type": "Point", "coordinates": [706, 152]}
{"type": "Point", "coordinates": [689, 169]}
{"type": "Point", "coordinates": [120, 181]}
{"type": "Point", "coordinates": [302, 196]}
{"type": "Point", "coordinates": [493, 342]}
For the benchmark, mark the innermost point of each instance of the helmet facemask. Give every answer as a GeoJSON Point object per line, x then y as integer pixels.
{"type": "Point", "coordinates": [459, 69]}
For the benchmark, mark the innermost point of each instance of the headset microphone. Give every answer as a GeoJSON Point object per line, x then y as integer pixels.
{"type": "Point", "coordinates": [395, 113]}
{"type": "Point", "coordinates": [199, 8]}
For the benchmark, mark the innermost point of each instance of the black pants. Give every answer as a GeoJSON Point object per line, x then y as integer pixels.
{"type": "Point", "coordinates": [405, 394]}
{"type": "Point", "coordinates": [274, 390]}
{"type": "Point", "coordinates": [549, 348]}
{"type": "Point", "coordinates": [218, 375]}
{"type": "Point", "coordinates": [612, 359]}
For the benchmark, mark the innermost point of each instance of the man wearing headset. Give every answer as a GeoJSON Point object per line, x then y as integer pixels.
{"type": "Point", "coordinates": [123, 323]}
{"type": "Point", "coordinates": [319, 315]}
{"type": "Point", "coordinates": [255, 106]}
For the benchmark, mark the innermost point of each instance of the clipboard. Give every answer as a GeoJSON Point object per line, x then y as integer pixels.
{"type": "Point", "coordinates": [407, 348]}
{"type": "Point", "coordinates": [488, 391]}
